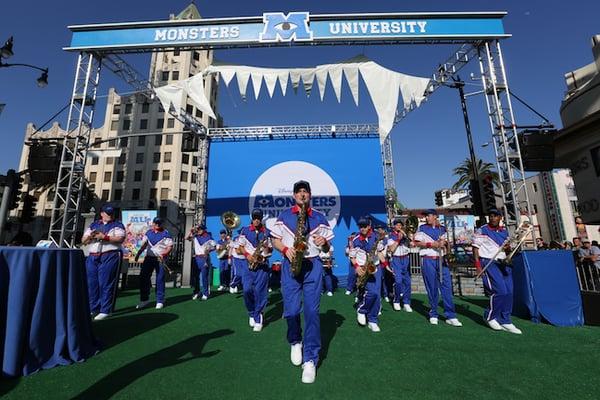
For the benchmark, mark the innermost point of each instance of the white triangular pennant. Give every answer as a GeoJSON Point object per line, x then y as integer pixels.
{"type": "Point", "coordinates": [227, 75]}
{"type": "Point", "coordinates": [295, 78]}
{"type": "Point", "coordinates": [271, 81]}
{"type": "Point", "coordinates": [283, 77]}
{"type": "Point", "coordinates": [321, 74]}
{"type": "Point", "coordinates": [170, 96]}
{"type": "Point", "coordinates": [351, 73]}
{"type": "Point", "coordinates": [308, 77]}
{"type": "Point", "coordinates": [335, 75]}
{"type": "Point", "coordinates": [194, 87]}
{"type": "Point", "coordinates": [242, 78]}
{"type": "Point", "coordinates": [257, 76]}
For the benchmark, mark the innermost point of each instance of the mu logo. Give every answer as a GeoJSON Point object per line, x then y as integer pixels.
{"type": "Point", "coordinates": [286, 28]}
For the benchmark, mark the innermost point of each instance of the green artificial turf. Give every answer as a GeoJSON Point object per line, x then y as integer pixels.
{"type": "Point", "coordinates": [204, 350]}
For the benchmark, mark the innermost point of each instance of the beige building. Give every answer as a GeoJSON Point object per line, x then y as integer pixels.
{"type": "Point", "coordinates": [148, 170]}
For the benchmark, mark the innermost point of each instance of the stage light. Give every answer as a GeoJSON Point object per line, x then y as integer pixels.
{"type": "Point", "coordinates": [6, 51]}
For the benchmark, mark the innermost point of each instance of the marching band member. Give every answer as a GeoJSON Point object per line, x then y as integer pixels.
{"type": "Point", "coordinates": [224, 263]}
{"type": "Point", "coordinates": [351, 284]}
{"type": "Point", "coordinates": [387, 275]}
{"type": "Point", "coordinates": [365, 244]}
{"type": "Point", "coordinates": [159, 243]}
{"type": "Point", "coordinates": [237, 256]}
{"type": "Point", "coordinates": [431, 238]}
{"type": "Point", "coordinates": [103, 262]}
{"type": "Point", "coordinates": [304, 232]}
{"type": "Point", "coordinates": [497, 278]}
{"type": "Point", "coordinates": [327, 261]}
{"type": "Point", "coordinates": [398, 245]}
{"type": "Point", "coordinates": [255, 244]}
{"type": "Point", "coordinates": [203, 245]}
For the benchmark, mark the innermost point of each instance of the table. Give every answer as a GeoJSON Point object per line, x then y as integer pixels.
{"type": "Point", "coordinates": [44, 309]}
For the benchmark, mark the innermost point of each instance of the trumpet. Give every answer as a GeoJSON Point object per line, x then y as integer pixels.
{"type": "Point", "coordinates": [514, 242]}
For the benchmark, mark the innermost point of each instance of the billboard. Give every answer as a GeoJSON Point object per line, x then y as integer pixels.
{"type": "Point", "coordinates": [137, 223]}
{"type": "Point", "coordinates": [346, 178]}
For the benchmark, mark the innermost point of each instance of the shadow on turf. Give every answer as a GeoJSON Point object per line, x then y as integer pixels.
{"type": "Point", "coordinates": [7, 384]}
{"type": "Point", "coordinates": [274, 313]}
{"type": "Point", "coordinates": [330, 322]}
{"type": "Point", "coordinates": [184, 351]}
{"type": "Point", "coordinates": [115, 330]}
{"type": "Point", "coordinates": [461, 310]}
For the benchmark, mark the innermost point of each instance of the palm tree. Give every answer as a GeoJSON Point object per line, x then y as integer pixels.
{"type": "Point", "coordinates": [464, 172]}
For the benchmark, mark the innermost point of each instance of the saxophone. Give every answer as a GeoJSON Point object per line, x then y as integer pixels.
{"type": "Point", "coordinates": [370, 267]}
{"type": "Point", "coordinates": [300, 244]}
{"type": "Point", "coordinates": [258, 258]}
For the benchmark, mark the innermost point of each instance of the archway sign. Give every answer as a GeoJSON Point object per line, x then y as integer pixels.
{"type": "Point", "coordinates": [478, 33]}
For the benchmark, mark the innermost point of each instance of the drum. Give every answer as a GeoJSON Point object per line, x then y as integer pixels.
{"type": "Point", "coordinates": [276, 266]}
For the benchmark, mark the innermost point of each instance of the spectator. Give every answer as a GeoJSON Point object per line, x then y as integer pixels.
{"type": "Point", "coordinates": [541, 245]}
{"type": "Point", "coordinates": [576, 249]}
{"type": "Point", "coordinates": [567, 245]}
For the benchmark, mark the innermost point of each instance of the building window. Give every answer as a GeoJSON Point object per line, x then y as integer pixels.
{"type": "Point", "coordinates": [535, 210]}
{"type": "Point", "coordinates": [175, 52]}
{"type": "Point", "coordinates": [110, 160]}
{"type": "Point", "coordinates": [161, 108]}
{"type": "Point", "coordinates": [143, 124]}
{"type": "Point", "coordinates": [135, 195]}
{"type": "Point", "coordinates": [192, 195]}
{"type": "Point", "coordinates": [189, 109]}
{"type": "Point", "coordinates": [166, 175]}
{"type": "Point", "coordinates": [194, 178]}
{"type": "Point", "coordinates": [120, 176]}
{"type": "Point", "coordinates": [124, 142]}
{"type": "Point", "coordinates": [175, 76]}
{"type": "Point", "coordinates": [170, 123]}
{"type": "Point", "coordinates": [145, 108]}
{"type": "Point", "coordinates": [116, 109]}
{"type": "Point", "coordinates": [169, 139]}
{"type": "Point", "coordinates": [160, 123]}
{"type": "Point", "coordinates": [107, 176]}
{"type": "Point", "coordinates": [167, 157]}
{"type": "Point", "coordinates": [141, 140]}
{"type": "Point", "coordinates": [164, 76]}
{"type": "Point", "coordinates": [105, 195]}
{"type": "Point", "coordinates": [139, 158]}
{"type": "Point", "coordinates": [198, 113]}
{"type": "Point", "coordinates": [95, 160]}
{"type": "Point", "coordinates": [152, 193]}
{"type": "Point", "coordinates": [196, 56]}
{"type": "Point", "coordinates": [112, 143]}
{"type": "Point", "coordinates": [122, 158]}
{"type": "Point", "coordinates": [535, 187]}
{"type": "Point", "coordinates": [154, 174]}
{"type": "Point", "coordinates": [128, 108]}
{"type": "Point", "coordinates": [157, 140]}
{"type": "Point", "coordinates": [184, 176]}
{"type": "Point", "coordinates": [137, 176]}
{"type": "Point", "coordinates": [182, 194]}
{"type": "Point", "coordinates": [185, 158]}
{"type": "Point", "coordinates": [118, 194]}
{"type": "Point", "coordinates": [92, 177]}
{"type": "Point", "coordinates": [114, 125]}
{"type": "Point", "coordinates": [164, 194]}
{"type": "Point", "coordinates": [126, 124]}
{"type": "Point", "coordinates": [195, 161]}
{"type": "Point", "coordinates": [156, 158]}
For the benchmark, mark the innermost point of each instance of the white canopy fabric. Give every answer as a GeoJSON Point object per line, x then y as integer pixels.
{"type": "Point", "coordinates": [383, 85]}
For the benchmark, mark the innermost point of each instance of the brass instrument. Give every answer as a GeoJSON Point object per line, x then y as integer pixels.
{"type": "Point", "coordinates": [258, 258]}
{"type": "Point", "coordinates": [515, 241]}
{"type": "Point", "coordinates": [370, 267]}
{"type": "Point", "coordinates": [411, 224]}
{"type": "Point", "coordinates": [230, 220]}
{"type": "Point", "coordinates": [300, 243]}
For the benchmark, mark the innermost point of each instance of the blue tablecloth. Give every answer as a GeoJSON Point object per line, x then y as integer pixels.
{"type": "Point", "coordinates": [546, 286]}
{"type": "Point", "coordinates": [44, 309]}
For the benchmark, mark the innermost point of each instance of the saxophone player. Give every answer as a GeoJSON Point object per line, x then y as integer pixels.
{"type": "Point", "coordinates": [399, 244]}
{"type": "Point", "coordinates": [223, 256]}
{"type": "Point", "coordinates": [327, 261]}
{"type": "Point", "coordinates": [431, 239]}
{"type": "Point", "coordinates": [368, 248]}
{"type": "Point", "coordinates": [300, 244]}
{"type": "Point", "coordinates": [497, 278]}
{"type": "Point", "coordinates": [256, 246]}
{"type": "Point", "coordinates": [203, 245]}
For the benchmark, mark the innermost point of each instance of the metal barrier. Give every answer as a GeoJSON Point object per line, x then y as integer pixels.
{"type": "Point", "coordinates": [589, 277]}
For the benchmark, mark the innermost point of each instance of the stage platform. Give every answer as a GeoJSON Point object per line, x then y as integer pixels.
{"type": "Point", "coordinates": [193, 349]}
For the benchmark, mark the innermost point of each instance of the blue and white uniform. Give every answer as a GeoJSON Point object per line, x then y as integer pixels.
{"type": "Point", "coordinates": [370, 296]}
{"type": "Point", "coordinates": [400, 261]}
{"type": "Point", "coordinates": [102, 266]}
{"type": "Point", "coordinates": [159, 243]}
{"type": "Point", "coordinates": [430, 268]}
{"type": "Point", "coordinates": [327, 258]}
{"type": "Point", "coordinates": [308, 282]}
{"type": "Point", "coordinates": [224, 267]}
{"type": "Point", "coordinates": [255, 281]}
{"type": "Point", "coordinates": [497, 279]}
{"type": "Point", "coordinates": [203, 245]}
{"type": "Point", "coordinates": [236, 263]}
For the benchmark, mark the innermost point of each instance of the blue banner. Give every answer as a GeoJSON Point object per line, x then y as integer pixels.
{"type": "Point", "coordinates": [295, 27]}
{"type": "Point", "coordinates": [248, 175]}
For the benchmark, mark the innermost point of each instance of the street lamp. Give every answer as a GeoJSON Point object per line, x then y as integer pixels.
{"type": "Point", "coordinates": [7, 52]}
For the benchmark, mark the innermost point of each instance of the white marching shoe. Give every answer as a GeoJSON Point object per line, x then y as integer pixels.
{"type": "Point", "coordinates": [494, 325]}
{"type": "Point", "coordinates": [453, 322]}
{"type": "Point", "coordinates": [348, 293]}
{"type": "Point", "coordinates": [407, 308]}
{"type": "Point", "coordinates": [512, 329]}
{"type": "Point", "coordinates": [361, 318]}
{"type": "Point", "coordinates": [397, 307]}
{"type": "Point", "coordinates": [374, 327]}
{"type": "Point", "coordinates": [142, 304]}
{"type": "Point", "coordinates": [159, 306]}
{"type": "Point", "coordinates": [251, 322]}
{"type": "Point", "coordinates": [257, 327]}
{"type": "Point", "coordinates": [329, 294]}
{"type": "Point", "coordinates": [433, 321]}
{"type": "Point", "coordinates": [309, 372]}
{"type": "Point", "coordinates": [195, 296]}
{"type": "Point", "coordinates": [204, 298]}
{"type": "Point", "coordinates": [101, 316]}
{"type": "Point", "coordinates": [220, 288]}
{"type": "Point", "coordinates": [296, 354]}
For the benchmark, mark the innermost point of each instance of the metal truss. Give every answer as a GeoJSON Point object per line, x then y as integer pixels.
{"type": "Point", "coordinates": [281, 132]}
{"type": "Point", "coordinates": [64, 222]}
{"type": "Point", "coordinates": [504, 134]}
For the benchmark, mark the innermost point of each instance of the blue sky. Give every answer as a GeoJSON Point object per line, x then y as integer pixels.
{"type": "Point", "coordinates": [549, 39]}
